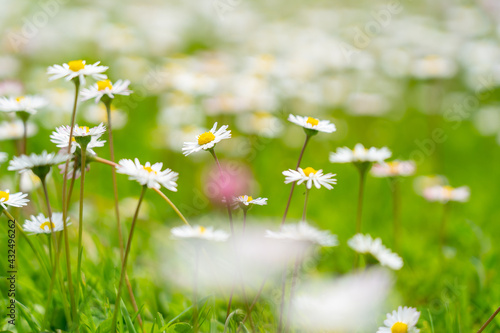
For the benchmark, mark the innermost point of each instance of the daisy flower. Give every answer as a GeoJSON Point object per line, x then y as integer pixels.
{"type": "Point", "coordinates": [29, 104]}
{"type": "Point", "coordinates": [313, 124]}
{"type": "Point", "coordinates": [77, 68]}
{"type": "Point", "coordinates": [401, 321]}
{"type": "Point", "coordinates": [199, 232]}
{"type": "Point", "coordinates": [365, 244]}
{"type": "Point", "coordinates": [3, 157]}
{"type": "Point", "coordinates": [41, 225]}
{"type": "Point", "coordinates": [246, 201]}
{"type": "Point", "coordinates": [310, 177]}
{"type": "Point", "coordinates": [148, 175]}
{"type": "Point", "coordinates": [39, 164]}
{"type": "Point", "coordinates": [105, 87]}
{"type": "Point", "coordinates": [14, 200]}
{"type": "Point", "coordinates": [207, 140]}
{"type": "Point", "coordinates": [394, 169]}
{"type": "Point", "coordinates": [61, 137]}
{"type": "Point", "coordinates": [303, 232]}
{"type": "Point", "coordinates": [360, 154]}
{"type": "Point", "coordinates": [446, 193]}
{"type": "Point", "coordinates": [14, 130]}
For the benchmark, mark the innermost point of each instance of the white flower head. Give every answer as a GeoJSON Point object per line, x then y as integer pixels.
{"type": "Point", "coordinates": [365, 244]}
{"type": "Point", "coordinates": [360, 154]}
{"type": "Point", "coordinates": [3, 157]}
{"type": "Point", "coordinates": [313, 123]}
{"type": "Point", "coordinates": [246, 201]}
{"type": "Point", "coordinates": [446, 193]}
{"type": "Point", "coordinates": [14, 199]}
{"type": "Point", "coordinates": [207, 140]}
{"type": "Point", "coordinates": [61, 137]}
{"type": "Point", "coordinates": [41, 225]}
{"type": "Point", "coordinates": [39, 164]}
{"type": "Point", "coordinates": [199, 232]}
{"type": "Point", "coordinates": [310, 176]}
{"type": "Point", "coordinates": [105, 87]}
{"type": "Point", "coordinates": [77, 68]}
{"type": "Point", "coordinates": [14, 130]}
{"type": "Point", "coordinates": [303, 232]}
{"type": "Point", "coordinates": [29, 104]}
{"type": "Point", "coordinates": [148, 175]}
{"type": "Point", "coordinates": [393, 169]}
{"type": "Point", "coordinates": [403, 320]}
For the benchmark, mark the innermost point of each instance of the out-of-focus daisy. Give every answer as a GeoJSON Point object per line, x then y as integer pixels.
{"type": "Point", "coordinates": [207, 140]}
{"type": "Point", "coordinates": [13, 199]}
{"type": "Point", "coordinates": [41, 225]}
{"type": "Point", "coordinates": [148, 175]}
{"type": "Point", "coordinates": [97, 113]}
{"type": "Point", "coordinates": [39, 164]}
{"type": "Point", "coordinates": [312, 124]}
{"type": "Point", "coordinates": [360, 154]}
{"type": "Point", "coordinates": [29, 104]}
{"type": "Point", "coordinates": [13, 130]}
{"type": "Point", "coordinates": [77, 68]}
{"type": "Point", "coordinates": [403, 320]}
{"type": "Point", "coordinates": [446, 193]}
{"type": "Point", "coordinates": [393, 169]}
{"type": "Point", "coordinates": [434, 67]}
{"type": "Point", "coordinates": [260, 123]}
{"type": "Point", "coordinates": [246, 201]}
{"type": "Point", "coordinates": [303, 232]}
{"type": "Point", "coordinates": [199, 232]}
{"type": "Point", "coordinates": [105, 87]}
{"type": "Point", "coordinates": [310, 176]}
{"type": "Point", "coordinates": [3, 157]}
{"type": "Point", "coordinates": [29, 182]}
{"type": "Point", "coordinates": [365, 244]}
{"type": "Point", "coordinates": [61, 137]}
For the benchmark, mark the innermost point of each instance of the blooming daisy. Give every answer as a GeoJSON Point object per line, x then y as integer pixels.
{"type": "Point", "coordinates": [366, 244]}
{"type": "Point", "coordinates": [29, 104]}
{"type": "Point", "coordinates": [105, 87]}
{"type": "Point", "coordinates": [148, 175]}
{"type": "Point", "coordinates": [401, 321]}
{"type": "Point", "coordinates": [303, 232]}
{"type": "Point", "coordinates": [313, 124]}
{"type": "Point", "coordinates": [360, 154]}
{"type": "Point", "coordinates": [14, 200]}
{"type": "Point", "coordinates": [246, 201]}
{"type": "Point", "coordinates": [199, 232]}
{"type": "Point", "coordinates": [77, 68]}
{"type": "Point", "coordinates": [41, 225]}
{"type": "Point", "coordinates": [61, 137]}
{"type": "Point", "coordinates": [207, 140]}
{"type": "Point", "coordinates": [310, 176]}
{"type": "Point", "coordinates": [446, 193]}
{"type": "Point", "coordinates": [14, 130]}
{"type": "Point", "coordinates": [39, 164]}
{"type": "Point", "coordinates": [393, 169]}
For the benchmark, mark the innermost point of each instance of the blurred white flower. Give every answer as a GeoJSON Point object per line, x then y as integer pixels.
{"type": "Point", "coordinates": [199, 232]}
{"type": "Point", "coordinates": [446, 193]}
{"type": "Point", "coordinates": [29, 182]}
{"type": "Point", "coordinates": [360, 154]}
{"type": "Point", "coordinates": [105, 87]}
{"type": "Point", "coordinates": [367, 104]}
{"type": "Point", "coordinates": [365, 244]}
{"type": "Point", "coordinates": [207, 140]}
{"type": "Point", "coordinates": [246, 201]}
{"type": "Point", "coordinates": [434, 67]}
{"type": "Point", "coordinates": [3, 157]}
{"type": "Point", "coordinates": [259, 123]}
{"type": "Point", "coordinates": [148, 175]}
{"type": "Point", "coordinates": [77, 68]}
{"type": "Point", "coordinates": [393, 169]}
{"type": "Point", "coordinates": [34, 162]}
{"type": "Point", "coordinates": [312, 123]}
{"type": "Point", "coordinates": [303, 232]}
{"type": "Point", "coordinates": [61, 137]}
{"type": "Point", "coordinates": [13, 130]}
{"type": "Point", "coordinates": [14, 199]}
{"type": "Point", "coordinates": [310, 176]}
{"type": "Point", "coordinates": [41, 225]}
{"type": "Point", "coordinates": [403, 320]}
{"type": "Point", "coordinates": [29, 104]}
{"type": "Point", "coordinates": [96, 113]}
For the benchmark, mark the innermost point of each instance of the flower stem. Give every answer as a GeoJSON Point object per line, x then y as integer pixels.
{"type": "Point", "coordinates": [228, 206]}
{"type": "Point", "coordinates": [305, 206]}
{"type": "Point", "coordinates": [80, 226]}
{"type": "Point", "coordinates": [396, 212]}
{"type": "Point", "coordinates": [489, 320]}
{"type": "Point", "coordinates": [244, 219]}
{"type": "Point", "coordinates": [293, 184]}
{"type": "Point", "coordinates": [444, 219]}
{"type": "Point", "coordinates": [362, 174]}
{"type": "Point", "coordinates": [195, 290]}
{"type": "Point", "coordinates": [298, 262]}
{"type": "Point", "coordinates": [125, 260]}
{"type": "Point", "coordinates": [25, 136]}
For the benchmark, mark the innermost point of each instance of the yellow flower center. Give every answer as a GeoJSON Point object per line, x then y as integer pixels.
{"type": "Point", "coordinates": [101, 85]}
{"type": "Point", "coordinates": [84, 128]}
{"type": "Point", "coordinates": [148, 169]}
{"type": "Point", "coordinates": [206, 138]}
{"type": "Point", "coordinates": [393, 167]}
{"type": "Point", "coordinates": [399, 327]}
{"type": "Point", "coordinates": [312, 121]}
{"type": "Point", "coordinates": [47, 224]}
{"type": "Point", "coordinates": [309, 170]}
{"type": "Point", "coordinates": [19, 99]}
{"type": "Point", "coordinates": [202, 230]}
{"type": "Point", "coordinates": [448, 190]}
{"type": "Point", "coordinates": [249, 199]}
{"type": "Point", "coordinates": [76, 65]}
{"type": "Point", "coordinates": [4, 195]}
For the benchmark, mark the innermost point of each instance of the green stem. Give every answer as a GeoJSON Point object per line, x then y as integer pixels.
{"type": "Point", "coordinates": [25, 136]}
{"type": "Point", "coordinates": [298, 261]}
{"type": "Point", "coordinates": [80, 228]}
{"type": "Point", "coordinates": [195, 290]}
{"type": "Point", "coordinates": [489, 320]}
{"type": "Point", "coordinates": [396, 212]}
{"type": "Point", "coordinates": [444, 219]}
{"type": "Point", "coordinates": [305, 206]}
{"type": "Point", "coordinates": [228, 205]}
{"type": "Point", "coordinates": [125, 260]}
{"type": "Point", "coordinates": [362, 174]}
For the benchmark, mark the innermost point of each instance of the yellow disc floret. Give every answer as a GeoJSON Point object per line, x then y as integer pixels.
{"type": "Point", "coordinates": [309, 170]}
{"type": "Point", "coordinates": [249, 199]}
{"type": "Point", "coordinates": [149, 169]}
{"type": "Point", "coordinates": [76, 65]}
{"type": "Point", "coordinates": [19, 99]}
{"type": "Point", "coordinates": [399, 327]}
{"type": "Point", "coordinates": [312, 121]}
{"type": "Point", "coordinates": [102, 85]}
{"type": "Point", "coordinates": [4, 195]}
{"type": "Point", "coordinates": [47, 224]}
{"type": "Point", "coordinates": [202, 230]}
{"type": "Point", "coordinates": [206, 138]}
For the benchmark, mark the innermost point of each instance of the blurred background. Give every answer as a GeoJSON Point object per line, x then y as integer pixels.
{"type": "Point", "coordinates": [420, 77]}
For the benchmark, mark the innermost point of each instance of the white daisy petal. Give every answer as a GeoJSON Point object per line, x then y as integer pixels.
{"type": "Point", "coordinates": [360, 154]}
{"type": "Point", "coordinates": [312, 123]}
{"type": "Point", "coordinates": [14, 199]}
{"type": "Point", "coordinates": [77, 68]}
{"type": "Point", "coordinates": [365, 244]}
{"type": "Point", "coordinates": [310, 177]}
{"type": "Point", "coordinates": [41, 225]}
{"type": "Point", "coordinates": [199, 233]}
{"type": "Point", "coordinates": [105, 87]}
{"type": "Point", "coordinates": [148, 175]}
{"type": "Point", "coordinates": [207, 140]}
{"type": "Point", "coordinates": [303, 232]}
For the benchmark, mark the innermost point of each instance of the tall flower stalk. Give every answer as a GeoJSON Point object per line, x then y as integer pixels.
{"type": "Point", "coordinates": [83, 141]}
